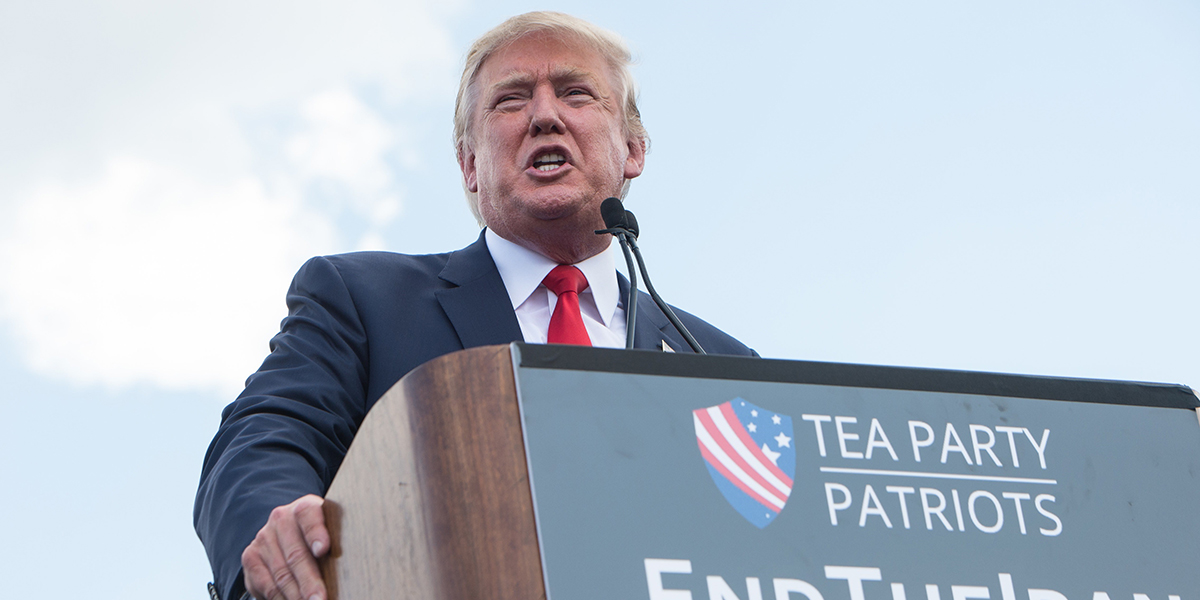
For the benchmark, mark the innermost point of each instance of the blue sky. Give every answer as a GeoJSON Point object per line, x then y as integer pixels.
{"type": "Point", "coordinates": [998, 186]}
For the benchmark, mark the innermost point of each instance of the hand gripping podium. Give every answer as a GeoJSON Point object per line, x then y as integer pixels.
{"type": "Point", "coordinates": [531, 471]}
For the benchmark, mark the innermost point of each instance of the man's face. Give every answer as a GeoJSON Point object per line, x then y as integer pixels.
{"type": "Point", "coordinates": [548, 145]}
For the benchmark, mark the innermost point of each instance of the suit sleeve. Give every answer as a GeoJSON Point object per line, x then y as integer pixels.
{"type": "Point", "coordinates": [286, 434]}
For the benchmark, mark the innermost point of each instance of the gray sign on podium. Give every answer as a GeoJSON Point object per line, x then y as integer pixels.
{"type": "Point", "coordinates": [678, 482]}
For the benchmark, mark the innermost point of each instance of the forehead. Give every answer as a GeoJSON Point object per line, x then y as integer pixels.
{"type": "Point", "coordinates": [541, 56]}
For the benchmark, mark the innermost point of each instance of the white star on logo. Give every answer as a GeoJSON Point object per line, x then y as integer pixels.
{"type": "Point", "coordinates": [771, 455]}
{"type": "Point", "coordinates": [754, 413]}
{"type": "Point", "coordinates": [752, 427]}
{"type": "Point", "coordinates": [776, 420]}
{"type": "Point", "coordinates": [783, 440]}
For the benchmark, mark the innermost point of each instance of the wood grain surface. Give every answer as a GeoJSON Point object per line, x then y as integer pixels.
{"type": "Point", "coordinates": [433, 500]}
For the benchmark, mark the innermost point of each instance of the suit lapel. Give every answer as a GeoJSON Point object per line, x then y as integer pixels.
{"type": "Point", "coordinates": [652, 326]}
{"type": "Point", "coordinates": [478, 305]}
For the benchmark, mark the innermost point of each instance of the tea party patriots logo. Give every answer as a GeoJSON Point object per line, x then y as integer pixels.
{"type": "Point", "coordinates": [749, 453]}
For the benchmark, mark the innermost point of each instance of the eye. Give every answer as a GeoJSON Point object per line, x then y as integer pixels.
{"type": "Point", "coordinates": [507, 100]}
{"type": "Point", "coordinates": [578, 96]}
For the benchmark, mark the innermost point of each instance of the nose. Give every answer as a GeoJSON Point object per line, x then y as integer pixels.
{"type": "Point", "coordinates": [544, 114]}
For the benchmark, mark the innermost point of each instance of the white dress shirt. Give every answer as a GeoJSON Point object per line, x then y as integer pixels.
{"type": "Point", "coordinates": [523, 270]}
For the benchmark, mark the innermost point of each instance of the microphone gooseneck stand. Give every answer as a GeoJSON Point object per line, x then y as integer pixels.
{"type": "Point", "coordinates": [623, 225]}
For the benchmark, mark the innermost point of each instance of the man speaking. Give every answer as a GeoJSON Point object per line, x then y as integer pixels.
{"type": "Point", "coordinates": [546, 127]}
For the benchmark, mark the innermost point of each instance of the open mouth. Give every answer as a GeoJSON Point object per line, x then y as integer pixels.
{"type": "Point", "coordinates": [549, 162]}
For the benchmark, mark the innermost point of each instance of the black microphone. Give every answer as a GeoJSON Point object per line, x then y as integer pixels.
{"type": "Point", "coordinates": [631, 224]}
{"type": "Point", "coordinates": [622, 224]}
{"type": "Point", "coordinates": [613, 213]}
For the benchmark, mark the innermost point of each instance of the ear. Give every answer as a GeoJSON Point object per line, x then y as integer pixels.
{"type": "Point", "coordinates": [636, 161]}
{"type": "Point", "coordinates": [466, 163]}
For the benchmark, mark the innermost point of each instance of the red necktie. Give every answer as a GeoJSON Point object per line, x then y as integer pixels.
{"type": "Point", "coordinates": [566, 324]}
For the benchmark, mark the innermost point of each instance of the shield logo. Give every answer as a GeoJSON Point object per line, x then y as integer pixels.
{"type": "Point", "coordinates": [750, 456]}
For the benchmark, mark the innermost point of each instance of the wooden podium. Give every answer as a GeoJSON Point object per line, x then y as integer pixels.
{"type": "Point", "coordinates": [529, 471]}
{"type": "Point", "coordinates": [433, 499]}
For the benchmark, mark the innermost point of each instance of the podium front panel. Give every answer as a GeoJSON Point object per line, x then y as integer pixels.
{"type": "Point", "coordinates": [671, 477]}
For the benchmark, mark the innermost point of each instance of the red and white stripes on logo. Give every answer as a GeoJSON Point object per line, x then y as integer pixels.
{"type": "Point", "coordinates": [728, 448]}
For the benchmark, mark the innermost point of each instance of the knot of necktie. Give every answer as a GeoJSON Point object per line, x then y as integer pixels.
{"type": "Point", "coordinates": [566, 278]}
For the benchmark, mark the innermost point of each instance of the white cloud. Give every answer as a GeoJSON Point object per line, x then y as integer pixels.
{"type": "Point", "coordinates": [167, 168]}
{"type": "Point", "coordinates": [172, 79]}
{"type": "Point", "coordinates": [150, 275]}
{"type": "Point", "coordinates": [345, 141]}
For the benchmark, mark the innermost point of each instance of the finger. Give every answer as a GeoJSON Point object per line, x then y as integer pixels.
{"type": "Point", "coordinates": [256, 572]}
{"type": "Point", "coordinates": [280, 582]}
{"type": "Point", "coordinates": [310, 515]}
{"type": "Point", "coordinates": [303, 578]}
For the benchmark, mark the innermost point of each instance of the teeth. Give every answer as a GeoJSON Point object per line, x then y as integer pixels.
{"type": "Point", "coordinates": [549, 162]}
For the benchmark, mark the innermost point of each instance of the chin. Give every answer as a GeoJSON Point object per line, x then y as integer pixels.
{"type": "Point", "coordinates": [554, 206]}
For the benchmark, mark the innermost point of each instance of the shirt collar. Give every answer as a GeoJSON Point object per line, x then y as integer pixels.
{"type": "Point", "coordinates": [523, 270]}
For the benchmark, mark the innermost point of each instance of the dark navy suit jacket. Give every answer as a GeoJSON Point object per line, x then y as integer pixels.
{"type": "Point", "coordinates": [356, 324]}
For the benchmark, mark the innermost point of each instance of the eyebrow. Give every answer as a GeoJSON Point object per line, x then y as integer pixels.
{"type": "Point", "coordinates": [557, 76]}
